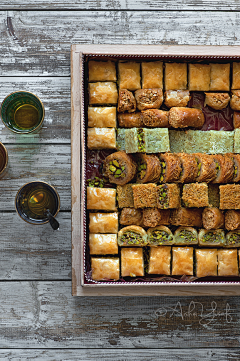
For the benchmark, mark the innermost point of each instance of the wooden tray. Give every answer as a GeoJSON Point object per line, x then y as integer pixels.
{"type": "Point", "coordinates": [77, 137]}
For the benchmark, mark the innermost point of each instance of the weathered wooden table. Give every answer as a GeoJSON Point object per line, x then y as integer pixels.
{"type": "Point", "coordinates": [39, 318]}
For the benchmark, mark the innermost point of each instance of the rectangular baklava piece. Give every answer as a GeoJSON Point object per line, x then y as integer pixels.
{"type": "Point", "coordinates": [132, 263]}
{"type": "Point", "coordinates": [159, 260]}
{"type": "Point", "coordinates": [101, 199]}
{"type": "Point", "coordinates": [195, 195]}
{"type": "Point", "coordinates": [152, 74]}
{"type": "Point", "coordinates": [102, 117]}
{"type": "Point", "coordinates": [144, 195]}
{"type": "Point", "coordinates": [129, 75]}
{"type": "Point", "coordinates": [182, 261]}
{"type": "Point", "coordinates": [168, 196]}
{"type": "Point", "coordinates": [101, 71]}
{"type": "Point", "coordinates": [220, 77]}
{"type": "Point", "coordinates": [206, 262]}
{"type": "Point", "coordinates": [236, 75]}
{"type": "Point", "coordinates": [229, 196]}
{"type": "Point", "coordinates": [103, 222]}
{"type": "Point", "coordinates": [175, 76]}
{"type": "Point", "coordinates": [227, 262]}
{"type": "Point", "coordinates": [101, 138]}
{"type": "Point", "coordinates": [125, 196]}
{"type": "Point", "coordinates": [105, 269]}
{"type": "Point", "coordinates": [103, 93]}
{"type": "Point", "coordinates": [199, 77]}
{"type": "Point", "coordinates": [145, 140]}
{"type": "Point", "coordinates": [101, 244]}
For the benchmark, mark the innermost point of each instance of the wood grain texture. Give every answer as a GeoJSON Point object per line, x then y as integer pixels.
{"type": "Point", "coordinates": [29, 252]}
{"type": "Point", "coordinates": [38, 43]}
{"type": "Point", "coordinates": [36, 161]}
{"type": "Point", "coordinates": [45, 315]}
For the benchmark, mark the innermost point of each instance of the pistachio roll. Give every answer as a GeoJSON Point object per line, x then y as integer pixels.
{"type": "Point", "coordinates": [224, 168]}
{"type": "Point", "coordinates": [170, 167]}
{"type": "Point", "coordinates": [233, 239]}
{"type": "Point", "coordinates": [185, 236]}
{"type": "Point", "coordinates": [211, 238]}
{"type": "Point", "coordinates": [168, 196]}
{"type": "Point", "coordinates": [160, 236]}
{"type": "Point", "coordinates": [132, 236]}
{"type": "Point", "coordinates": [206, 168]}
{"type": "Point", "coordinates": [119, 167]}
{"type": "Point", "coordinates": [212, 218]}
{"type": "Point", "coordinates": [149, 168]}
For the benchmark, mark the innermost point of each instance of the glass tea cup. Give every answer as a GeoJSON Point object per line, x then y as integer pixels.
{"type": "Point", "coordinates": [22, 112]}
{"type": "Point", "coordinates": [38, 203]}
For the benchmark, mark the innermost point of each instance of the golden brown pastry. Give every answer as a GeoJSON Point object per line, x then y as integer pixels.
{"type": "Point", "coordinates": [206, 167]}
{"type": "Point", "coordinates": [105, 269]}
{"type": "Point", "coordinates": [182, 260]}
{"type": "Point", "coordinates": [159, 260]}
{"type": "Point", "coordinates": [132, 236]}
{"type": "Point", "coordinates": [176, 98]}
{"type": "Point", "coordinates": [199, 77]}
{"type": "Point", "coordinates": [149, 98]}
{"type": "Point", "coordinates": [103, 93]}
{"type": "Point", "coordinates": [206, 262]}
{"type": "Point", "coordinates": [195, 195]}
{"type": "Point", "coordinates": [189, 168]}
{"type": "Point", "coordinates": [130, 120]}
{"type": "Point", "coordinates": [132, 262]}
{"type": "Point", "coordinates": [152, 74]}
{"type": "Point", "coordinates": [151, 217]}
{"type": "Point", "coordinates": [160, 235]}
{"type": "Point", "coordinates": [168, 196]}
{"type": "Point", "coordinates": [101, 71]}
{"type": "Point", "coordinates": [103, 222]}
{"type": "Point", "coordinates": [119, 168]}
{"type": "Point", "coordinates": [149, 168]}
{"type": "Point", "coordinates": [213, 218]}
{"type": "Point", "coordinates": [170, 167]}
{"type": "Point", "coordinates": [125, 196]}
{"type": "Point", "coordinates": [101, 244]}
{"type": "Point", "coordinates": [217, 101]}
{"type": "Point", "coordinates": [175, 76]}
{"type": "Point", "coordinates": [235, 100]}
{"type": "Point", "coordinates": [129, 75]}
{"type": "Point", "coordinates": [220, 77]}
{"type": "Point", "coordinates": [211, 237]}
{"type": "Point", "coordinates": [102, 117]}
{"type": "Point", "coordinates": [236, 75]}
{"type": "Point", "coordinates": [236, 120]}
{"type": "Point", "coordinates": [232, 220]}
{"type": "Point", "coordinates": [227, 262]}
{"type": "Point", "coordinates": [185, 236]}
{"type": "Point", "coordinates": [229, 196]}
{"type": "Point", "coordinates": [101, 138]}
{"type": "Point", "coordinates": [186, 217]}
{"type": "Point", "coordinates": [126, 101]}
{"type": "Point", "coordinates": [101, 198]}
{"type": "Point", "coordinates": [145, 195]}
{"type": "Point", "coordinates": [131, 216]}
{"type": "Point", "coordinates": [155, 118]}
{"type": "Point", "coordinates": [181, 117]}
{"type": "Point", "coordinates": [224, 168]}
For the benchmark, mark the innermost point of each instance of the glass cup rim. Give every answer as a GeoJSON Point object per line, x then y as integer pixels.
{"type": "Point", "coordinates": [27, 131]}
{"type": "Point", "coordinates": [6, 162]}
{"type": "Point", "coordinates": [41, 182]}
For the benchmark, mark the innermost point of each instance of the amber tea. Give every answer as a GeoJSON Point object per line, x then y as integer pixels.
{"type": "Point", "coordinates": [26, 116]}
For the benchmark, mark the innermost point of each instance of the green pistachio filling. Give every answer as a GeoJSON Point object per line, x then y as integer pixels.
{"type": "Point", "coordinates": [218, 167]}
{"type": "Point", "coordinates": [187, 236]}
{"type": "Point", "coordinates": [115, 169]}
{"type": "Point", "coordinates": [199, 165]}
{"type": "Point", "coordinates": [160, 237]}
{"type": "Point", "coordinates": [233, 239]}
{"type": "Point", "coordinates": [163, 170]}
{"type": "Point", "coordinates": [131, 238]}
{"type": "Point", "coordinates": [212, 237]}
{"type": "Point", "coordinates": [96, 182]}
{"type": "Point", "coordinates": [141, 141]}
{"type": "Point", "coordinates": [141, 170]}
{"type": "Point", "coordinates": [163, 196]}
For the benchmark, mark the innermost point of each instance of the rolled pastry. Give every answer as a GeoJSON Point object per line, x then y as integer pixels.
{"type": "Point", "coordinates": [176, 98]}
{"type": "Point", "coordinates": [182, 117]}
{"type": "Point", "coordinates": [105, 269]}
{"type": "Point", "coordinates": [211, 237]}
{"type": "Point", "coordinates": [159, 236]}
{"type": "Point", "coordinates": [233, 239]}
{"type": "Point", "coordinates": [101, 244]}
{"type": "Point", "coordinates": [235, 100]}
{"type": "Point", "coordinates": [132, 236]}
{"type": "Point", "coordinates": [232, 220]}
{"type": "Point", "coordinates": [126, 101]}
{"type": "Point", "coordinates": [119, 167]}
{"type": "Point", "coordinates": [224, 168]}
{"type": "Point", "coordinates": [151, 217]}
{"type": "Point", "coordinates": [213, 218]}
{"type": "Point", "coordinates": [170, 168]}
{"type": "Point", "coordinates": [130, 120]}
{"type": "Point", "coordinates": [148, 169]}
{"type": "Point", "coordinates": [217, 101]}
{"type": "Point", "coordinates": [189, 168]}
{"type": "Point", "coordinates": [236, 120]}
{"type": "Point", "coordinates": [236, 165]}
{"type": "Point", "coordinates": [131, 216]}
{"type": "Point", "coordinates": [154, 118]}
{"type": "Point", "coordinates": [206, 167]}
{"type": "Point", "coordinates": [149, 98]}
{"type": "Point", "coordinates": [185, 236]}
{"type": "Point", "coordinates": [186, 217]}
{"type": "Point", "coordinates": [168, 196]}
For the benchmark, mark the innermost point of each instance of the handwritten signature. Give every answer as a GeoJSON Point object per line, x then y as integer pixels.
{"type": "Point", "coordinates": [195, 311]}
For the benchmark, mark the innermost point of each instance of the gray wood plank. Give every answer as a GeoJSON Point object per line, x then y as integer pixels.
{"type": "Point", "coordinates": [36, 161]}
{"type": "Point", "coordinates": [54, 92]}
{"type": "Point", "coordinates": [29, 252]}
{"type": "Point", "coordinates": [38, 43]}
{"type": "Point", "coordinates": [45, 315]}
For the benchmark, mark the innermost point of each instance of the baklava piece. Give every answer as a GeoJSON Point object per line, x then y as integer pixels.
{"type": "Point", "coordinates": [101, 138]}
{"type": "Point", "coordinates": [206, 167]}
{"type": "Point", "coordinates": [168, 196]}
{"type": "Point", "coordinates": [159, 260]}
{"type": "Point", "coordinates": [235, 100]}
{"type": "Point", "coordinates": [195, 195]}
{"type": "Point", "coordinates": [101, 71]}
{"type": "Point", "coordinates": [103, 199]}
{"type": "Point", "coordinates": [233, 239]}
{"type": "Point", "coordinates": [157, 140]}
{"type": "Point", "coordinates": [132, 236]}
{"type": "Point", "coordinates": [214, 237]}
{"type": "Point", "coordinates": [236, 75]}
{"type": "Point", "coordinates": [149, 98]}
{"type": "Point", "coordinates": [176, 98]}
{"type": "Point", "coordinates": [229, 196]}
{"type": "Point", "coordinates": [182, 261]}
{"type": "Point", "coordinates": [219, 77]}
{"type": "Point", "coordinates": [102, 117]}
{"type": "Point", "coordinates": [134, 140]}
{"type": "Point", "coordinates": [105, 269]}
{"type": "Point", "coordinates": [103, 222]}
{"type": "Point", "coordinates": [101, 244]}
{"type": "Point", "coordinates": [125, 196]}
{"type": "Point", "coordinates": [221, 141]}
{"type": "Point", "coordinates": [189, 168]}
{"type": "Point", "coordinates": [152, 74]}
{"type": "Point", "coordinates": [236, 120]}
{"type": "Point", "coordinates": [236, 165]}
{"type": "Point", "coordinates": [131, 216]}
{"type": "Point", "coordinates": [227, 262]}
{"type": "Point", "coordinates": [185, 236]}
{"type": "Point", "coordinates": [191, 217]}
{"type": "Point", "coordinates": [145, 195]}
{"type": "Point", "coordinates": [130, 120]}
{"type": "Point", "coordinates": [217, 101]}
{"type": "Point", "coordinates": [175, 76]}
{"type": "Point", "coordinates": [153, 217]}
{"type": "Point", "coordinates": [232, 220]}
{"type": "Point", "coordinates": [182, 117]}
{"type": "Point", "coordinates": [148, 169]}
{"type": "Point", "coordinates": [159, 236]}
{"type": "Point", "coordinates": [177, 141]}
{"type": "Point", "coordinates": [213, 195]}
{"type": "Point", "coordinates": [126, 101]}
{"type": "Point", "coordinates": [129, 75]}
{"type": "Point", "coordinates": [237, 141]}
{"type": "Point", "coordinates": [206, 262]}
{"type": "Point", "coordinates": [132, 263]}
{"type": "Point", "coordinates": [213, 218]}
{"type": "Point", "coordinates": [197, 141]}
{"type": "Point", "coordinates": [120, 141]}
{"type": "Point", "coordinates": [155, 118]}
{"type": "Point", "coordinates": [224, 168]}
{"type": "Point", "coordinates": [170, 168]}
{"type": "Point", "coordinates": [119, 168]}
{"type": "Point", "coordinates": [199, 77]}
{"type": "Point", "coordinates": [103, 93]}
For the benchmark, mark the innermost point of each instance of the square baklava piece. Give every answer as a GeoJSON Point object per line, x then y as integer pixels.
{"type": "Point", "coordinates": [195, 195]}
{"type": "Point", "coordinates": [229, 196]}
{"type": "Point", "coordinates": [132, 263]}
{"type": "Point", "coordinates": [101, 138]}
{"type": "Point", "coordinates": [236, 75]}
{"type": "Point", "coordinates": [101, 71]}
{"type": "Point", "coordinates": [129, 75]}
{"type": "Point", "coordinates": [227, 262]}
{"type": "Point", "coordinates": [105, 269]}
{"type": "Point", "coordinates": [152, 74]}
{"type": "Point", "coordinates": [220, 77]}
{"type": "Point", "coordinates": [145, 195]}
{"type": "Point", "coordinates": [175, 76]}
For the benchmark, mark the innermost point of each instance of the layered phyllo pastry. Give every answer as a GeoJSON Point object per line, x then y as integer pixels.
{"type": "Point", "coordinates": [130, 120]}
{"type": "Point", "coordinates": [182, 261]}
{"type": "Point", "coordinates": [191, 217]}
{"type": "Point", "coordinates": [233, 239]}
{"type": "Point", "coordinates": [229, 196]}
{"type": "Point", "coordinates": [236, 75]}
{"type": "Point", "coordinates": [170, 167]}
{"type": "Point", "coordinates": [103, 222]}
{"type": "Point", "coordinates": [105, 269]}
{"type": "Point", "coordinates": [148, 168]}
{"type": "Point", "coordinates": [153, 217]}
{"type": "Point", "coordinates": [132, 263]}
{"type": "Point", "coordinates": [195, 195]}
{"type": "Point", "coordinates": [220, 141]}
{"type": "Point", "coordinates": [236, 120]}
{"type": "Point", "coordinates": [232, 220]}
{"type": "Point", "coordinates": [199, 77]}
{"type": "Point", "coordinates": [154, 118]}
{"type": "Point", "coordinates": [119, 168]}
{"type": "Point", "coordinates": [120, 141]}
{"type": "Point", "coordinates": [175, 76]}
{"type": "Point", "coordinates": [219, 77]}
{"type": "Point", "coordinates": [235, 100]}
{"type": "Point", "coordinates": [236, 165]}
{"type": "Point", "coordinates": [101, 71]}
{"type": "Point", "coordinates": [189, 168]}
{"type": "Point", "coordinates": [101, 138]}
{"type": "Point", "coordinates": [130, 216]}
{"type": "Point", "coordinates": [103, 93]}
{"type": "Point", "coordinates": [149, 98]}
{"type": "Point", "coordinates": [213, 195]}
{"type": "Point", "coordinates": [224, 168]}
{"type": "Point", "coordinates": [129, 75]}
{"type": "Point", "coordinates": [125, 196]}
{"type": "Point", "coordinates": [185, 236]}
{"type": "Point", "coordinates": [206, 262]}
{"type": "Point", "coordinates": [145, 195]}
{"type": "Point", "coordinates": [227, 262]}
{"type": "Point", "coordinates": [132, 236]}
{"type": "Point", "coordinates": [213, 218]}
{"type": "Point", "coordinates": [159, 260]}
{"type": "Point", "coordinates": [126, 101]}
{"type": "Point", "coordinates": [182, 117]}
{"type": "Point", "coordinates": [176, 98]}
{"type": "Point", "coordinates": [101, 198]}
{"type": "Point", "coordinates": [217, 101]}
{"type": "Point", "coordinates": [152, 74]}
{"type": "Point", "coordinates": [168, 196]}
{"type": "Point", "coordinates": [102, 117]}
{"type": "Point", "coordinates": [101, 244]}
{"type": "Point", "coordinates": [160, 236]}
{"type": "Point", "coordinates": [206, 167]}
{"type": "Point", "coordinates": [214, 237]}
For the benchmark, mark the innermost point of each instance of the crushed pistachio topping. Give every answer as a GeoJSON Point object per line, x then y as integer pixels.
{"type": "Point", "coordinates": [116, 169]}
{"type": "Point", "coordinates": [234, 238]}
{"type": "Point", "coordinates": [187, 236]}
{"type": "Point", "coordinates": [131, 238]}
{"type": "Point", "coordinates": [160, 237]}
{"type": "Point", "coordinates": [212, 237]}
{"type": "Point", "coordinates": [141, 141]}
{"type": "Point", "coordinates": [141, 170]}
{"type": "Point", "coordinates": [96, 182]}
{"type": "Point", "coordinates": [163, 196]}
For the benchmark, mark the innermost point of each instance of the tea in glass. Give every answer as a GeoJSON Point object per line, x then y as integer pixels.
{"type": "Point", "coordinates": [3, 158]}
